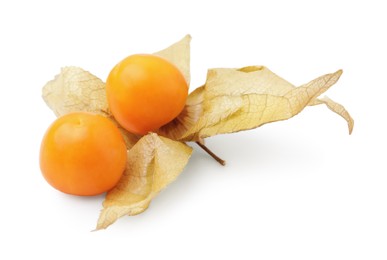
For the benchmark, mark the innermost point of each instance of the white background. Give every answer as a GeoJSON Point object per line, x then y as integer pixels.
{"type": "Point", "coordinates": [298, 189]}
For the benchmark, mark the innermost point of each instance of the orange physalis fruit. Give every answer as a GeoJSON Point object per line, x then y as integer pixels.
{"type": "Point", "coordinates": [145, 92]}
{"type": "Point", "coordinates": [82, 154]}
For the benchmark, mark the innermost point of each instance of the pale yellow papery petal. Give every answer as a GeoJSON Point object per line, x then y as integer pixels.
{"type": "Point", "coordinates": [336, 108]}
{"type": "Point", "coordinates": [75, 90]}
{"type": "Point", "coordinates": [153, 163]}
{"type": "Point", "coordinates": [233, 100]}
{"type": "Point", "coordinates": [179, 54]}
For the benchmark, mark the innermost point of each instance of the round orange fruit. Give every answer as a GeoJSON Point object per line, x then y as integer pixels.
{"type": "Point", "coordinates": [145, 92]}
{"type": "Point", "coordinates": [82, 154]}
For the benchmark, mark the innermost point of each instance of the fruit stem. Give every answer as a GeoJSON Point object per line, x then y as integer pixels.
{"type": "Point", "coordinates": [205, 148]}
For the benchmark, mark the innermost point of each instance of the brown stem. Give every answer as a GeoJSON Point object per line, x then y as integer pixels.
{"type": "Point", "coordinates": [205, 148]}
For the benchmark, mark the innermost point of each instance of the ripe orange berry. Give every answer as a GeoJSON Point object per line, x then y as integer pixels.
{"type": "Point", "coordinates": [145, 92]}
{"type": "Point", "coordinates": [82, 154]}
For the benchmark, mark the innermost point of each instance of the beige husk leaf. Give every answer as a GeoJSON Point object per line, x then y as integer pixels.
{"type": "Point", "coordinates": [337, 108]}
{"type": "Point", "coordinates": [153, 163]}
{"type": "Point", "coordinates": [179, 55]}
{"type": "Point", "coordinates": [233, 100]}
{"type": "Point", "coordinates": [74, 90]}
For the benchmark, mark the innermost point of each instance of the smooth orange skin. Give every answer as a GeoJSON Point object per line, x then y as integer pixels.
{"type": "Point", "coordinates": [82, 154]}
{"type": "Point", "coordinates": [145, 92]}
